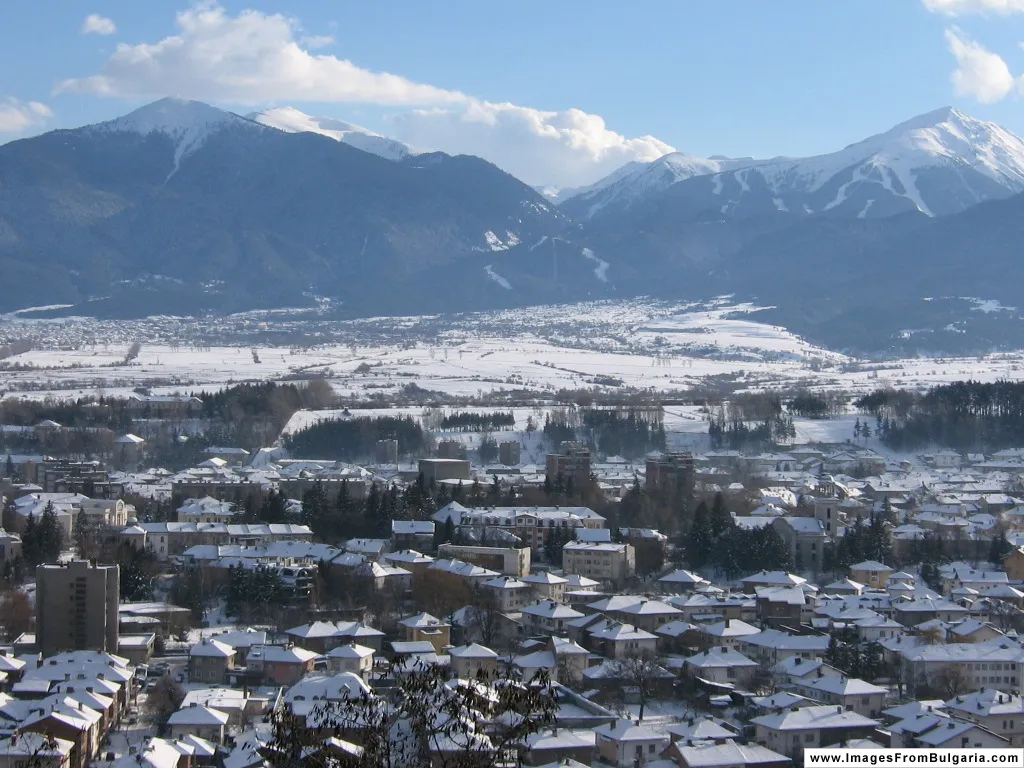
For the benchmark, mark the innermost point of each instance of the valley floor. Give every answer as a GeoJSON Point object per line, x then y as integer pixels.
{"type": "Point", "coordinates": [607, 345]}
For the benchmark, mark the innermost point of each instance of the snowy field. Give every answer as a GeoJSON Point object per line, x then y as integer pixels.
{"type": "Point", "coordinates": [607, 345]}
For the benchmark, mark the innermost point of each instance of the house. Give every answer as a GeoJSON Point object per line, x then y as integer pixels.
{"type": "Point", "coordinates": [725, 634]}
{"type": "Point", "coordinates": [412, 534]}
{"type": "Point", "coordinates": [513, 561]}
{"type": "Point", "coordinates": [772, 646]}
{"type": "Point", "coordinates": [23, 749]}
{"type": "Point", "coordinates": [548, 618]}
{"type": "Point", "coordinates": [852, 694]}
{"type": "Point", "coordinates": [353, 658]}
{"type": "Point", "coordinates": [626, 744]}
{"type": "Point", "coordinates": [561, 748]}
{"type": "Point", "coordinates": [710, 754]}
{"type": "Point", "coordinates": [206, 510]}
{"type": "Point", "coordinates": [701, 729]}
{"type": "Point", "coordinates": [982, 665]}
{"type": "Point", "coordinates": [1001, 713]}
{"type": "Point", "coordinates": [871, 573]}
{"type": "Point", "coordinates": [791, 732]}
{"type": "Point", "coordinates": [197, 720]}
{"type": "Point", "coordinates": [546, 586]}
{"type": "Point", "coordinates": [615, 640]}
{"type": "Point", "coordinates": [209, 661]}
{"type": "Point", "coordinates": [646, 614]}
{"type": "Point", "coordinates": [958, 734]}
{"type": "Point", "coordinates": [781, 606]}
{"type": "Point", "coordinates": [844, 587]}
{"type": "Point", "coordinates": [910, 613]}
{"type": "Point", "coordinates": [562, 659]}
{"type": "Point", "coordinates": [681, 581]}
{"type": "Point", "coordinates": [723, 666]}
{"type": "Point", "coordinates": [510, 594]}
{"type": "Point", "coordinates": [470, 662]}
{"type": "Point", "coordinates": [609, 563]}
{"type": "Point", "coordinates": [771, 579]}
{"type": "Point", "coordinates": [280, 665]}
{"type": "Point", "coordinates": [424, 627]}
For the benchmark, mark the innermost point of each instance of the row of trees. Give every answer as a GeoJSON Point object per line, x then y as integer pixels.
{"type": "Point", "coordinates": [355, 439]}
{"type": "Point", "coordinates": [967, 416]}
{"type": "Point", "coordinates": [466, 421]}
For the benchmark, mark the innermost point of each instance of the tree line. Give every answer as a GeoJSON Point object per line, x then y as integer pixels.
{"type": "Point", "coordinates": [967, 416]}
{"type": "Point", "coordinates": [465, 421]}
{"type": "Point", "coordinates": [356, 439]}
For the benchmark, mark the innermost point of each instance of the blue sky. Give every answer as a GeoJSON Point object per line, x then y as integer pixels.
{"type": "Point", "coordinates": [739, 77]}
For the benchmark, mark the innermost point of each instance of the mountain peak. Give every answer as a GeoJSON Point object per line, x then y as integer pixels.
{"type": "Point", "coordinates": [171, 115]}
{"type": "Point", "coordinates": [187, 123]}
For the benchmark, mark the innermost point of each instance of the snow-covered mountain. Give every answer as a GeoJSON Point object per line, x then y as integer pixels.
{"type": "Point", "coordinates": [938, 163]}
{"type": "Point", "coordinates": [232, 213]}
{"type": "Point", "coordinates": [188, 124]}
{"type": "Point", "coordinates": [636, 182]}
{"type": "Point", "coordinates": [291, 120]}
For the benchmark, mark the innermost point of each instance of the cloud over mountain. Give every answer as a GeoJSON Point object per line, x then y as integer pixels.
{"type": "Point", "coordinates": [569, 147]}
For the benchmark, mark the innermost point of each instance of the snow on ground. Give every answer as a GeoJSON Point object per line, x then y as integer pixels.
{"type": "Point", "coordinates": [637, 343]}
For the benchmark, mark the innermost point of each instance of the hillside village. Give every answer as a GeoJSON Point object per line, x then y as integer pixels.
{"type": "Point", "coordinates": [522, 595]}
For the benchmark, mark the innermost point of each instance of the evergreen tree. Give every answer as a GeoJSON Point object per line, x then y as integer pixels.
{"type": "Point", "coordinates": [999, 548]}
{"type": "Point", "coordinates": [720, 520]}
{"type": "Point", "coordinates": [51, 535]}
{"type": "Point", "coordinates": [702, 538]}
{"type": "Point", "coordinates": [30, 549]}
{"type": "Point", "coordinates": [316, 511]}
{"type": "Point", "coordinates": [10, 466]}
{"type": "Point", "coordinates": [274, 508]}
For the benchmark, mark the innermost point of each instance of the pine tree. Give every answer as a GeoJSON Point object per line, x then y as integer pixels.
{"type": "Point", "coordinates": [702, 538]}
{"type": "Point", "coordinates": [51, 535]}
{"type": "Point", "coordinates": [316, 511]}
{"type": "Point", "coordinates": [720, 520]}
{"type": "Point", "coordinates": [999, 549]}
{"type": "Point", "coordinates": [30, 549]}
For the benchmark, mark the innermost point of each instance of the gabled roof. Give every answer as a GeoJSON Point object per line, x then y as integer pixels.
{"type": "Point", "coordinates": [207, 647]}
{"type": "Point", "coordinates": [198, 715]}
{"type": "Point", "coordinates": [814, 718]}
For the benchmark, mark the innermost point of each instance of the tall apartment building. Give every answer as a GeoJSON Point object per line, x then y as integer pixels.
{"type": "Point", "coordinates": [510, 452]}
{"type": "Point", "coordinates": [76, 607]}
{"type": "Point", "coordinates": [671, 472]}
{"type": "Point", "coordinates": [571, 461]}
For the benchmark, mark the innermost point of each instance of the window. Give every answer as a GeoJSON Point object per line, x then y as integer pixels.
{"type": "Point", "coordinates": [808, 737]}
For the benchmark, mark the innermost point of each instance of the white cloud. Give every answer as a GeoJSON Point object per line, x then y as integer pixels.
{"type": "Point", "coordinates": [962, 7]}
{"type": "Point", "coordinates": [95, 24]}
{"type": "Point", "coordinates": [568, 148]}
{"type": "Point", "coordinates": [316, 41]}
{"type": "Point", "coordinates": [251, 58]}
{"type": "Point", "coordinates": [980, 74]}
{"type": "Point", "coordinates": [17, 116]}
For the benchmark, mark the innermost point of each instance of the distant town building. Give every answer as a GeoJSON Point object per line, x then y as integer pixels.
{"type": "Point", "coordinates": [510, 452]}
{"type": "Point", "coordinates": [570, 464]}
{"type": "Point", "coordinates": [386, 452]}
{"type": "Point", "coordinates": [671, 473]}
{"type": "Point", "coordinates": [438, 470]}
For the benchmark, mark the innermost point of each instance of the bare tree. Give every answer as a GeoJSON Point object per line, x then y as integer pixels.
{"type": "Point", "coordinates": [163, 701]}
{"type": "Point", "coordinates": [16, 614]}
{"type": "Point", "coordinates": [953, 680]}
{"type": "Point", "coordinates": [432, 721]}
{"type": "Point", "coordinates": [642, 672]}
{"type": "Point", "coordinates": [485, 616]}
